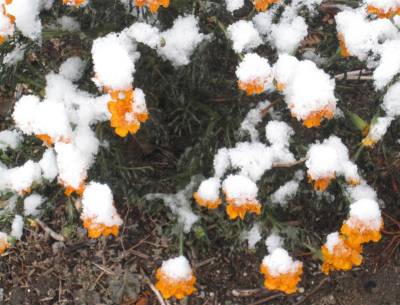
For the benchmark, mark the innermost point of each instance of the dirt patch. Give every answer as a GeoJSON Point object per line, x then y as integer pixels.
{"type": "Point", "coordinates": [42, 271]}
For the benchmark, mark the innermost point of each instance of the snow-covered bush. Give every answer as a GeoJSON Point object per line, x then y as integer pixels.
{"type": "Point", "coordinates": [288, 113]}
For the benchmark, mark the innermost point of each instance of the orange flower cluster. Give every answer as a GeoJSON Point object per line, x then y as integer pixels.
{"type": "Point", "coordinates": [381, 13]}
{"type": "Point", "coordinates": [344, 52]}
{"type": "Point", "coordinates": [10, 17]}
{"type": "Point", "coordinates": [48, 141]}
{"type": "Point", "coordinates": [321, 184]}
{"type": "Point", "coordinates": [4, 244]}
{"type": "Point", "coordinates": [123, 117]}
{"type": "Point", "coordinates": [279, 86]}
{"type": "Point", "coordinates": [253, 87]}
{"type": "Point", "coordinates": [45, 138]}
{"type": "Point", "coordinates": [69, 189]}
{"type": "Point", "coordinates": [357, 233]}
{"type": "Point", "coordinates": [347, 252]}
{"type": "Point", "coordinates": [153, 5]}
{"type": "Point", "coordinates": [368, 142]}
{"type": "Point", "coordinates": [174, 288]}
{"type": "Point", "coordinates": [263, 5]}
{"type": "Point", "coordinates": [286, 282]}
{"type": "Point", "coordinates": [76, 3]}
{"type": "Point", "coordinates": [315, 118]}
{"type": "Point", "coordinates": [95, 230]}
{"type": "Point", "coordinates": [206, 203]}
{"type": "Point", "coordinates": [343, 256]}
{"type": "Point", "coordinates": [235, 210]}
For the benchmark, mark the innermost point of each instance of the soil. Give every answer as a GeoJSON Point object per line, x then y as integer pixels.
{"type": "Point", "coordinates": [116, 271]}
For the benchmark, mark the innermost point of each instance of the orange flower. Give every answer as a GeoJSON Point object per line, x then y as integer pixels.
{"type": "Point", "coordinates": [95, 230]}
{"type": "Point", "coordinates": [69, 189]}
{"type": "Point", "coordinates": [4, 244]}
{"type": "Point", "coordinates": [368, 142]}
{"type": "Point", "coordinates": [253, 87]}
{"type": "Point", "coordinates": [206, 203]}
{"type": "Point", "coordinates": [235, 210]}
{"type": "Point", "coordinates": [10, 17]}
{"type": "Point", "coordinates": [45, 139]}
{"type": "Point", "coordinates": [262, 5]}
{"type": "Point", "coordinates": [382, 13]}
{"type": "Point", "coordinates": [170, 287]}
{"type": "Point", "coordinates": [153, 5]}
{"type": "Point", "coordinates": [280, 86]}
{"type": "Point", "coordinates": [77, 3]}
{"type": "Point", "coordinates": [321, 184]}
{"type": "Point", "coordinates": [342, 257]}
{"type": "Point", "coordinates": [123, 117]}
{"type": "Point", "coordinates": [286, 282]}
{"type": "Point", "coordinates": [353, 181]}
{"type": "Point", "coordinates": [344, 52]}
{"type": "Point", "coordinates": [358, 233]}
{"type": "Point", "coordinates": [314, 119]}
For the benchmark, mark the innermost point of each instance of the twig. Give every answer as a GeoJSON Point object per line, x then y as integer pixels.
{"type": "Point", "coordinates": [353, 75]}
{"type": "Point", "coordinates": [265, 111]}
{"type": "Point", "coordinates": [104, 269]}
{"type": "Point", "coordinates": [49, 231]}
{"type": "Point", "coordinates": [205, 262]}
{"type": "Point", "coordinates": [246, 292]}
{"type": "Point", "coordinates": [269, 298]}
{"type": "Point", "coordinates": [318, 287]}
{"type": "Point", "coordinates": [154, 289]}
{"type": "Point", "coordinates": [289, 164]}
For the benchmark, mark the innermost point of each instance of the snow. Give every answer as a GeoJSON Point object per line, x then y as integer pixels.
{"type": "Point", "coordinates": [31, 204]}
{"type": "Point", "coordinates": [179, 204]}
{"type": "Point", "coordinates": [26, 15]}
{"type": "Point", "coordinates": [361, 191]}
{"type": "Point", "coordinates": [48, 165]}
{"type": "Point", "coordinates": [286, 192]}
{"type": "Point", "coordinates": [181, 40]}
{"type": "Point", "coordinates": [279, 262]}
{"type": "Point", "coordinates": [16, 55]}
{"type": "Point", "coordinates": [72, 165]}
{"type": "Point", "coordinates": [113, 61]}
{"type": "Point", "coordinates": [17, 227]}
{"type": "Point", "coordinates": [389, 63]}
{"type": "Point", "coordinates": [21, 178]}
{"type": "Point", "coordinates": [273, 241]}
{"type": "Point", "coordinates": [252, 119]}
{"type": "Point", "coordinates": [145, 33]}
{"type": "Point", "coordinates": [254, 69]}
{"type": "Point", "coordinates": [332, 240]}
{"type": "Point", "coordinates": [10, 138]}
{"type": "Point", "coordinates": [68, 23]}
{"type": "Point", "coordinates": [307, 89]}
{"type": "Point", "coordinates": [233, 5]}
{"type": "Point", "coordinates": [253, 236]}
{"type": "Point", "coordinates": [209, 189]}
{"type": "Point", "coordinates": [391, 100]}
{"type": "Point", "coordinates": [177, 268]}
{"type": "Point", "coordinates": [367, 211]}
{"type": "Point", "coordinates": [252, 159]}
{"type": "Point", "coordinates": [244, 36]}
{"type": "Point", "coordinates": [98, 205]}
{"type": "Point", "coordinates": [379, 128]}
{"type": "Point", "coordinates": [221, 162]}
{"type": "Point", "coordinates": [46, 117]}
{"type": "Point", "coordinates": [278, 132]}
{"type": "Point", "coordinates": [329, 159]}
{"type": "Point", "coordinates": [240, 189]}
{"type": "Point", "coordinates": [72, 68]}
{"type": "Point", "coordinates": [287, 35]}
